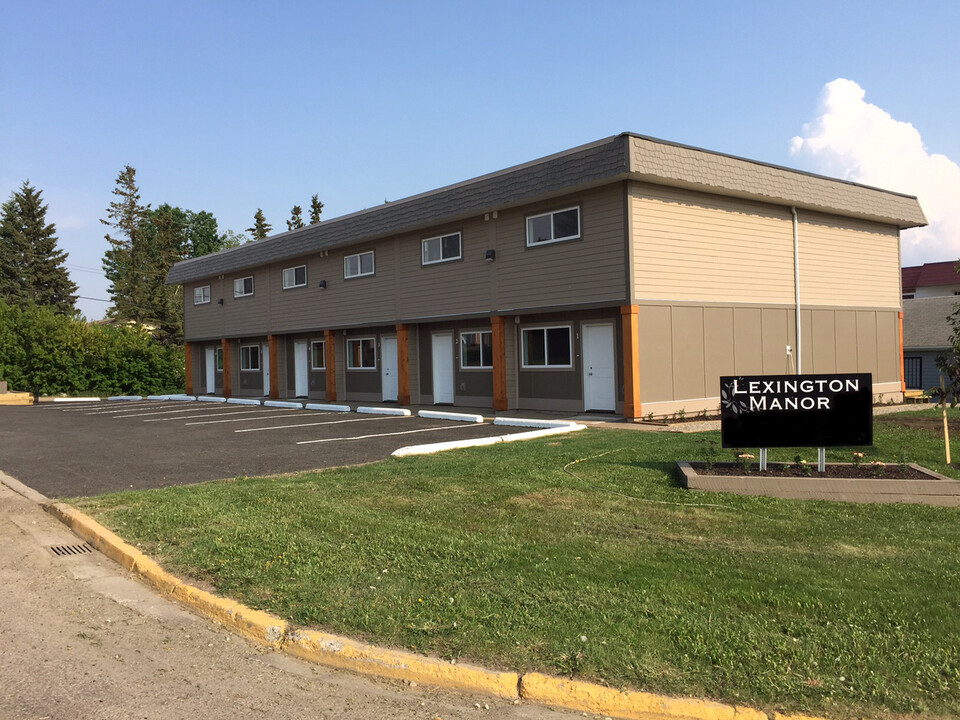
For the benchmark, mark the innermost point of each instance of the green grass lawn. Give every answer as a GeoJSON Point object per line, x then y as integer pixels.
{"type": "Point", "coordinates": [609, 572]}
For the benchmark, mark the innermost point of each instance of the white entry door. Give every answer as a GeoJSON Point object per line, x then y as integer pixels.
{"type": "Point", "coordinates": [599, 368]}
{"type": "Point", "coordinates": [211, 363]}
{"type": "Point", "coordinates": [442, 367]}
{"type": "Point", "coordinates": [265, 363]}
{"type": "Point", "coordinates": [389, 369]}
{"type": "Point", "coordinates": [300, 371]}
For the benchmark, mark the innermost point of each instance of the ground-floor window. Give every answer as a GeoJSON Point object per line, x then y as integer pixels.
{"type": "Point", "coordinates": [547, 347]}
{"type": "Point", "coordinates": [318, 358]}
{"type": "Point", "coordinates": [476, 349]}
{"type": "Point", "coordinates": [913, 372]}
{"type": "Point", "coordinates": [362, 354]}
{"type": "Point", "coordinates": [218, 354]}
{"type": "Point", "coordinates": [250, 357]}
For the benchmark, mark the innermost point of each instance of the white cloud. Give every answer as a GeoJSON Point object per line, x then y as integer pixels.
{"type": "Point", "coordinates": [857, 141]}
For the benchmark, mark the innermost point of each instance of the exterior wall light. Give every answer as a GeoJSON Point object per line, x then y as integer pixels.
{"type": "Point", "coordinates": [491, 255]}
{"type": "Point", "coordinates": [322, 284]}
{"type": "Point", "coordinates": [220, 301]}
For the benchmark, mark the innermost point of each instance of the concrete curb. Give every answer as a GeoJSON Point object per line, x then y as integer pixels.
{"type": "Point", "coordinates": [75, 399]}
{"type": "Point", "coordinates": [401, 412]}
{"type": "Point", "coordinates": [243, 401]}
{"type": "Point", "coordinates": [458, 417]}
{"type": "Point", "coordinates": [290, 404]}
{"type": "Point", "coordinates": [345, 653]}
{"type": "Point", "coordinates": [126, 397]}
{"type": "Point", "coordinates": [552, 428]}
{"type": "Point", "coordinates": [323, 407]}
{"type": "Point", "coordinates": [587, 697]}
{"type": "Point", "coordinates": [211, 399]}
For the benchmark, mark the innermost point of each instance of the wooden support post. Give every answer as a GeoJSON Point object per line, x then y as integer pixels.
{"type": "Point", "coordinates": [632, 409]}
{"type": "Point", "coordinates": [403, 362]}
{"type": "Point", "coordinates": [188, 363]}
{"type": "Point", "coordinates": [330, 361]}
{"type": "Point", "coordinates": [274, 368]}
{"type": "Point", "coordinates": [498, 325]}
{"type": "Point", "coordinates": [227, 380]}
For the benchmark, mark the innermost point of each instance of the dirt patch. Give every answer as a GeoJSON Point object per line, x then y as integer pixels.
{"type": "Point", "coordinates": [866, 471]}
{"type": "Point", "coordinates": [922, 422]}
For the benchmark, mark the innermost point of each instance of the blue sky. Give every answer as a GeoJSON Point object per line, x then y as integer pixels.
{"type": "Point", "coordinates": [227, 107]}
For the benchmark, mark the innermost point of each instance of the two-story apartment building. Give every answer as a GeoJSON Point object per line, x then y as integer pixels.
{"type": "Point", "coordinates": [624, 276]}
{"type": "Point", "coordinates": [930, 295]}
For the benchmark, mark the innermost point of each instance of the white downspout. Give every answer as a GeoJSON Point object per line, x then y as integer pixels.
{"type": "Point", "coordinates": [796, 281]}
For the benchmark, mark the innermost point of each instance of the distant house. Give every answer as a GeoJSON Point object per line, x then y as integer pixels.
{"type": "Point", "coordinates": [623, 276]}
{"type": "Point", "coordinates": [930, 295]}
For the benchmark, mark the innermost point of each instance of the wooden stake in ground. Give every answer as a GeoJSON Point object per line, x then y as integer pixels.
{"type": "Point", "coordinates": [946, 430]}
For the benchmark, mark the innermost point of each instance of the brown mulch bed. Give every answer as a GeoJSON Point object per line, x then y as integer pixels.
{"type": "Point", "coordinates": [890, 472]}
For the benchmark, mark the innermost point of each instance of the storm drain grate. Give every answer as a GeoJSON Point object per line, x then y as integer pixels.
{"type": "Point", "coordinates": [66, 550]}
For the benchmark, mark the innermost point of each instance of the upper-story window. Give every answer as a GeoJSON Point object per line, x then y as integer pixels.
{"type": "Point", "coordinates": [358, 265]}
{"type": "Point", "coordinates": [201, 295]}
{"type": "Point", "coordinates": [243, 286]}
{"type": "Point", "coordinates": [442, 248]}
{"type": "Point", "coordinates": [295, 277]}
{"type": "Point", "coordinates": [553, 226]}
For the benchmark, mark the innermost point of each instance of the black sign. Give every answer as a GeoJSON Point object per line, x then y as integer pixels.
{"type": "Point", "coordinates": [796, 410]}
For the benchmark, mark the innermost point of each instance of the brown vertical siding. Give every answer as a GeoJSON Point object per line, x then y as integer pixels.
{"type": "Point", "coordinates": [687, 341]}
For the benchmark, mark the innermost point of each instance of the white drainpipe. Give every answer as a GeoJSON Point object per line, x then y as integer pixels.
{"type": "Point", "coordinates": [796, 281]}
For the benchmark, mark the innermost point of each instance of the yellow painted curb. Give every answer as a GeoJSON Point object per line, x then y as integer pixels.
{"type": "Point", "coordinates": [600, 700]}
{"type": "Point", "coordinates": [341, 652]}
{"type": "Point", "coordinates": [254, 624]}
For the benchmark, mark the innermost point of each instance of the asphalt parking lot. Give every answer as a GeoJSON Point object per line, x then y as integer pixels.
{"type": "Point", "coordinates": [77, 449]}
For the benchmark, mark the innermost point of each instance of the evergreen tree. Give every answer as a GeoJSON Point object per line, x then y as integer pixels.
{"type": "Point", "coordinates": [31, 264]}
{"type": "Point", "coordinates": [316, 207]}
{"type": "Point", "coordinates": [261, 228]}
{"type": "Point", "coordinates": [296, 218]}
{"type": "Point", "coordinates": [126, 262]}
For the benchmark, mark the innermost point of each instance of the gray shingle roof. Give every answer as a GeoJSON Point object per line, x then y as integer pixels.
{"type": "Point", "coordinates": [601, 162]}
{"type": "Point", "coordinates": [925, 322]}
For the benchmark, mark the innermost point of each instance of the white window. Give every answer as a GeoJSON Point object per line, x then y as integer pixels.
{"type": "Point", "coordinates": [250, 358]}
{"type": "Point", "coordinates": [201, 295]}
{"type": "Point", "coordinates": [441, 249]}
{"type": "Point", "coordinates": [318, 357]}
{"type": "Point", "coordinates": [219, 359]}
{"type": "Point", "coordinates": [358, 265]}
{"type": "Point", "coordinates": [362, 354]}
{"type": "Point", "coordinates": [295, 277]}
{"type": "Point", "coordinates": [553, 226]}
{"type": "Point", "coordinates": [547, 347]}
{"type": "Point", "coordinates": [476, 349]}
{"type": "Point", "coordinates": [243, 286]}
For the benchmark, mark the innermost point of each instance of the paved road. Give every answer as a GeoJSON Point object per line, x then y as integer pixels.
{"type": "Point", "coordinates": [80, 638]}
{"type": "Point", "coordinates": [69, 449]}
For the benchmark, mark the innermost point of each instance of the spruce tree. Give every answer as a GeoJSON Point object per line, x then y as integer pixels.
{"type": "Point", "coordinates": [126, 261]}
{"type": "Point", "coordinates": [31, 265]}
{"type": "Point", "coordinates": [261, 228]}
{"type": "Point", "coordinates": [296, 218]}
{"type": "Point", "coordinates": [316, 207]}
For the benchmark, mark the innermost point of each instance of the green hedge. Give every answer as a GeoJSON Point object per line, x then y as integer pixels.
{"type": "Point", "coordinates": [46, 353]}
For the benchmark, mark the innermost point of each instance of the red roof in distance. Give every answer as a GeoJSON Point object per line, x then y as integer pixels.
{"type": "Point", "coordinates": [929, 274]}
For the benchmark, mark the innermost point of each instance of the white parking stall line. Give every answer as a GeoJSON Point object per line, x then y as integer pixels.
{"type": "Point", "coordinates": [262, 417]}
{"type": "Point", "coordinates": [240, 410]}
{"type": "Point", "coordinates": [128, 410]}
{"type": "Point", "coordinates": [367, 437]}
{"type": "Point", "coordinates": [112, 407]}
{"type": "Point", "coordinates": [193, 408]}
{"type": "Point", "coordinates": [328, 422]}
